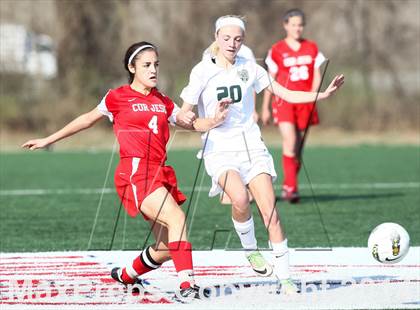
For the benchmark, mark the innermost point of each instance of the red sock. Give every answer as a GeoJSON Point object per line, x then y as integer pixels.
{"type": "Point", "coordinates": [181, 253]}
{"type": "Point", "coordinates": [290, 166]}
{"type": "Point", "coordinates": [141, 264]}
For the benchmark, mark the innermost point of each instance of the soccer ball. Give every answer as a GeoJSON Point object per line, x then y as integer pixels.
{"type": "Point", "coordinates": [389, 243]}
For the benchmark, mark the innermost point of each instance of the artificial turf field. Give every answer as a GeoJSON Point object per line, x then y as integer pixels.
{"type": "Point", "coordinates": [49, 200]}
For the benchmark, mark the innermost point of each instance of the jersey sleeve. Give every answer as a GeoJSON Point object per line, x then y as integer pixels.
{"type": "Point", "coordinates": [173, 110]}
{"type": "Point", "coordinates": [319, 59]}
{"type": "Point", "coordinates": [262, 79]}
{"type": "Point", "coordinates": [271, 64]}
{"type": "Point", "coordinates": [103, 107]}
{"type": "Point", "coordinates": [193, 90]}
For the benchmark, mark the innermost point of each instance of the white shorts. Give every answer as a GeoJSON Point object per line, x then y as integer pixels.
{"type": "Point", "coordinates": [248, 165]}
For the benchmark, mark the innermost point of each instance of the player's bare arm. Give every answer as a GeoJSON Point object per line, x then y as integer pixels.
{"type": "Point", "coordinates": [205, 124]}
{"type": "Point", "coordinates": [317, 79]}
{"type": "Point", "coordinates": [255, 116]}
{"type": "Point", "coordinates": [303, 97]}
{"type": "Point", "coordinates": [80, 123]}
{"type": "Point", "coordinates": [265, 108]}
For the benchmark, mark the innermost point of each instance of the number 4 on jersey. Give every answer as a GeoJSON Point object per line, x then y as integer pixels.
{"type": "Point", "coordinates": [153, 124]}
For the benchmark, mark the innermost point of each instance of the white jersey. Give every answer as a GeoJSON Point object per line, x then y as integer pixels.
{"type": "Point", "coordinates": [209, 84]}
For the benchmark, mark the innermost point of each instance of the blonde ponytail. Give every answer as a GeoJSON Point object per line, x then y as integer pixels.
{"type": "Point", "coordinates": [213, 49]}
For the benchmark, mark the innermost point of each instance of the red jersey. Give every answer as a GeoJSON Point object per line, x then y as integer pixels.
{"type": "Point", "coordinates": [140, 122]}
{"type": "Point", "coordinates": [294, 69]}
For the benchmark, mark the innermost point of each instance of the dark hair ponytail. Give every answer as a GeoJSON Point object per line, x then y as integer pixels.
{"type": "Point", "coordinates": [132, 49]}
{"type": "Point", "coordinates": [293, 13]}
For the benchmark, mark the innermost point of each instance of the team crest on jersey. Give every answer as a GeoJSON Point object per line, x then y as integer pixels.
{"type": "Point", "coordinates": [243, 75]}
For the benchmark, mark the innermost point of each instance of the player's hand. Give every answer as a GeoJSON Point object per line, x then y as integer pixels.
{"type": "Point", "coordinates": [221, 111]}
{"type": "Point", "coordinates": [336, 83]}
{"type": "Point", "coordinates": [265, 116]}
{"type": "Point", "coordinates": [186, 118]}
{"type": "Point", "coordinates": [35, 144]}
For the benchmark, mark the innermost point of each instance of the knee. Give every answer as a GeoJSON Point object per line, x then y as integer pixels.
{"type": "Point", "coordinates": [240, 202]}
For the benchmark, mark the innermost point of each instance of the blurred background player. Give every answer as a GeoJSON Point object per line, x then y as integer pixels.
{"type": "Point", "coordinates": [235, 156]}
{"type": "Point", "coordinates": [140, 116]}
{"type": "Point", "coordinates": [295, 64]}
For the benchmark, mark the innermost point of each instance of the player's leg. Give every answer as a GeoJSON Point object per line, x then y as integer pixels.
{"type": "Point", "coordinates": [151, 258]}
{"type": "Point", "coordinates": [242, 219]}
{"type": "Point", "coordinates": [161, 207]}
{"type": "Point", "coordinates": [261, 187]}
{"type": "Point", "coordinates": [159, 250]}
{"type": "Point", "coordinates": [290, 161]}
{"type": "Point", "coordinates": [306, 115]}
{"type": "Point", "coordinates": [233, 186]}
{"type": "Point", "coordinates": [300, 143]}
{"type": "Point", "coordinates": [225, 199]}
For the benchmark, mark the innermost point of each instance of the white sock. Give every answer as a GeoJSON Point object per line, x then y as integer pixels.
{"type": "Point", "coordinates": [246, 233]}
{"type": "Point", "coordinates": [280, 259]}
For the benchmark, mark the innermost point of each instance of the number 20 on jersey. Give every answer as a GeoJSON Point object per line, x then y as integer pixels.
{"type": "Point", "coordinates": [234, 92]}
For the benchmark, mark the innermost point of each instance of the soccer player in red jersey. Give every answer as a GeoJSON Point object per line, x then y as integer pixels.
{"type": "Point", "coordinates": [294, 62]}
{"type": "Point", "coordinates": [140, 116]}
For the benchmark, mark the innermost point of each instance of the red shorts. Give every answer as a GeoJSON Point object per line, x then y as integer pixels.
{"type": "Point", "coordinates": [136, 178]}
{"type": "Point", "coordinates": [297, 114]}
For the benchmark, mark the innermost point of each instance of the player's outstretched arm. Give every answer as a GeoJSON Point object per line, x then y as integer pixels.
{"type": "Point", "coordinates": [303, 97]}
{"type": "Point", "coordinates": [205, 124]}
{"type": "Point", "coordinates": [265, 107]}
{"type": "Point", "coordinates": [78, 124]}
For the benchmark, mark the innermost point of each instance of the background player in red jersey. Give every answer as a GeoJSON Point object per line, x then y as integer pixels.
{"type": "Point", "coordinates": [294, 62]}
{"type": "Point", "coordinates": [140, 116]}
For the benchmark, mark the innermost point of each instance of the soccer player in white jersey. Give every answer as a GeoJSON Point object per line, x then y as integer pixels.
{"type": "Point", "coordinates": [244, 52]}
{"type": "Point", "coordinates": [235, 156]}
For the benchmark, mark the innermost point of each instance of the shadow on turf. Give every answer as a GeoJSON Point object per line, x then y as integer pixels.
{"type": "Point", "coordinates": [337, 197]}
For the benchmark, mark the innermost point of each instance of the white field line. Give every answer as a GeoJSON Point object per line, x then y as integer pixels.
{"type": "Point", "coordinates": [111, 190]}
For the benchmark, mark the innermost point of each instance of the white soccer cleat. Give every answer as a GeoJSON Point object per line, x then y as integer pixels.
{"type": "Point", "coordinates": [259, 264]}
{"type": "Point", "coordinates": [287, 287]}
